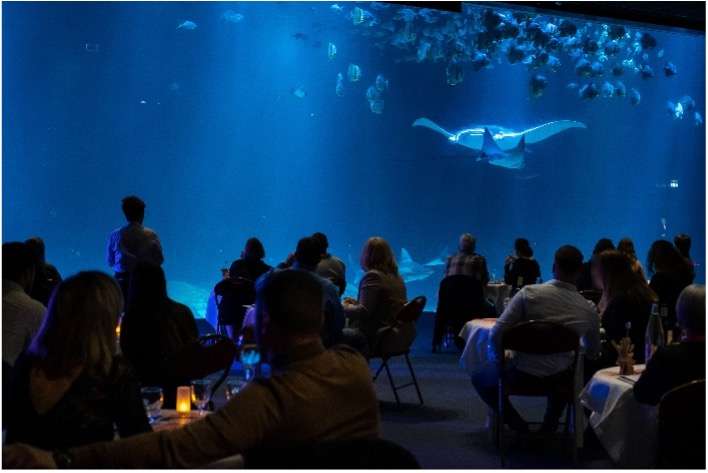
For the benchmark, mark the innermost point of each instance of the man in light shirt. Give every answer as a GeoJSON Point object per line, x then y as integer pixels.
{"type": "Point", "coordinates": [555, 301]}
{"type": "Point", "coordinates": [132, 243]}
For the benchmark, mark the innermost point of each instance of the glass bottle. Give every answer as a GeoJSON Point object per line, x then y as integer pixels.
{"type": "Point", "coordinates": [654, 337]}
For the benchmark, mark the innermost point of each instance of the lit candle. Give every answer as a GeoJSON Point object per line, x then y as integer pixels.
{"type": "Point", "coordinates": [184, 401]}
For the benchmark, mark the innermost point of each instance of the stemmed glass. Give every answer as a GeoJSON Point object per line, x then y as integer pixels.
{"type": "Point", "coordinates": [250, 357]}
{"type": "Point", "coordinates": [233, 387]}
{"type": "Point", "coordinates": [152, 400]}
{"type": "Point", "coordinates": [200, 394]}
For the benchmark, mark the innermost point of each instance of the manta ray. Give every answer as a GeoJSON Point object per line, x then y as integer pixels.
{"type": "Point", "coordinates": [500, 146]}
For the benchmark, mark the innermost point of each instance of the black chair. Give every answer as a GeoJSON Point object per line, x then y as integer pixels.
{"type": "Point", "coordinates": [460, 299]}
{"type": "Point", "coordinates": [539, 337]}
{"type": "Point", "coordinates": [358, 454]}
{"type": "Point", "coordinates": [232, 296]}
{"type": "Point", "coordinates": [396, 340]}
{"type": "Point", "coordinates": [682, 427]}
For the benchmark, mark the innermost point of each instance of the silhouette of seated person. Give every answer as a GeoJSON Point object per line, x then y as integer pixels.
{"type": "Point", "coordinates": [467, 261]}
{"type": "Point", "coordinates": [251, 265]}
{"type": "Point", "coordinates": [157, 334]}
{"type": "Point", "coordinates": [330, 267]}
{"type": "Point", "coordinates": [521, 268]}
{"type": "Point", "coordinates": [46, 276]}
{"type": "Point", "coordinates": [585, 280]}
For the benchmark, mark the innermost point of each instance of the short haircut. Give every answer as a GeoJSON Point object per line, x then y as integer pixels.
{"type": "Point", "coordinates": [133, 208]}
{"type": "Point", "coordinates": [568, 260]}
{"type": "Point", "coordinates": [293, 300]}
{"type": "Point", "coordinates": [467, 243]}
{"type": "Point", "coordinates": [254, 249]}
{"type": "Point", "coordinates": [17, 260]}
{"type": "Point", "coordinates": [36, 246]}
{"type": "Point", "coordinates": [691, 309]}
{"type": "Point", "coordinates": [523, 248]}
{"type": "Point", "coordinates": [308, 253]}
{"type": "Point", "coordinates": [322, 240]}
{"type": "Point", "coordinates": [603, 244]}
{"type": "Point", "coordinates": [683, 244]}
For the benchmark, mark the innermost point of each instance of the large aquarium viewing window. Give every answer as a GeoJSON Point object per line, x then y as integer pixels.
{"type": "Point", "coordinates": [277, 120]}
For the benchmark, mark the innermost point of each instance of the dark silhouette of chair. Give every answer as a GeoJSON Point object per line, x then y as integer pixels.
{"type": "Point", "coordinates": [460, 299]}
{"type": "Point", "coordinates": [211, 354]}
{"type": "Point", "coordinates": [539, 337]}
{"type": "Point", "coordinates": [232, 295]}
{"type": "Point", "coordinates": [359, 454]}
{"type": "Point", "coordinates": [682, 427]}
{"type": "Point", "coordinates": [396, 340]}
{"type": "Point", "coordinates": [592, 295]}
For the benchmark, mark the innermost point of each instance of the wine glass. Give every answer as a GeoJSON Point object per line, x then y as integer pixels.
{"type": "Point", "coordinates": [152, 400]}
{"type": "Point", "coordinates": [233, 387]}
{"type": "Point", "coordinates": [200, 394]}
{"type": "Point", "coordinates": [250, 357]}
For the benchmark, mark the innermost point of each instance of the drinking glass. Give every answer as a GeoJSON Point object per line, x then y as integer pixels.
{"type": "Point", "coordinates": [250, 357]}
{"type": "Point", "coordinates": [233, 387]}
{"type": "Point", "coordinates": [200, 394]}
{"type": "Point", "coordinates": [152, 400]}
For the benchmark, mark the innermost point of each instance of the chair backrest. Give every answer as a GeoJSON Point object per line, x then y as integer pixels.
{"type": "Point", "coordinates": [231, 295]}
{"type": "Point", "coordinates": [412, 311]}
{"type": "Point", "coordinates": [682, 427]}
{"type": "Point", "coordinates": [539, 337]}
{"type": "Point", "coordinates": [459, 293]}
{"type": "Point", "coordinates": [360, 454]}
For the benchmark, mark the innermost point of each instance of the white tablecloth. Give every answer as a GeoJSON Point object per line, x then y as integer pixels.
{"type": "Point", "coordinates": [476, 333]}
{"type": "Point", "coordinates": [626, 428]}
{"type": "Point", "coordinates": [497, 292]}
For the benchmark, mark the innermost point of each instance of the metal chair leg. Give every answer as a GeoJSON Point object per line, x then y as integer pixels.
{"type": "Point", "coordinates": [500, 424]}
{"type": "Point", "coordinates": [390, 379]}
{"type": "Point", "coordinates": [415, 381]}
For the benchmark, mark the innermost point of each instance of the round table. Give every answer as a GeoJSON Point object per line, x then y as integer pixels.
{"type": "Point", "coordinates": [476, 335]}
{"type": "Point", "coordinates": [626, 428]}
{"type": "Point", "coordinates": [497, 293]}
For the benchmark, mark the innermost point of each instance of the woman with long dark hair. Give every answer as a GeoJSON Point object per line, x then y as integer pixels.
{"type": "Point", "coordinates": [70, 386]}
{"type": "Point", "coordinates": [670, 274]}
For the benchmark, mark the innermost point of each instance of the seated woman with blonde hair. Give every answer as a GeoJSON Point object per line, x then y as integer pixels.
{"type": "Point", "coordinates": [70, 386]}
{"type": "Point", "coordinates": [382, 292]}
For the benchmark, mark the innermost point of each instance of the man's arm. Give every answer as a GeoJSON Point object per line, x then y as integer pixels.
{"type": "Point", "coordinates": [241, 424]}
{"type": "Point", "coordinates": [110, 254]}
{"type": "Point", "coordinates": [514, 313]}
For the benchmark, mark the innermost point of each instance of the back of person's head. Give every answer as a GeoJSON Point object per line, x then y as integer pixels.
{"type": "Point", "coordinates": [683, 244]}
{"type": "Point", "coordinates": [467, 243]}
{"type": "Point", "coordinates": [378, 255]}
{"type": "Point", "coordinates": [322, 240]}
{"type": "Point", "coordinates": [148, 287]}
{"type": "Point", "coordinates": [523, 248]}
{"type": "Point", "coordinates": [307, 253]}
{"type": "Point", "coordinates": [36, 246]}
{"type": "Point", "coordinates": [626, 247]}
{"type": "Point", "coordinates": [603, 244]}
{"type": "Point", "coordinates": [79, 329]}
{"type": "Point", "coordinates": [253, 250]}
{"type": "Point", "coordinates": [664, 257]}
{"type": "Point", "coordinates": [567, 263]}
{"type": "Point", "coordinates": [292, 301]}
{"type": "Point", "coordinates": [133, 208]}
{"type": "Point", "coordinates": [619, 279]}
{"type": "Point", "coordinates": [18, 264]}
{"type": "Point", "coordinates": [691, 310]}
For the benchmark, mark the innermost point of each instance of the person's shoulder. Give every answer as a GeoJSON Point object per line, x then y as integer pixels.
{"type": "Point", "coordinates": [149, 232]}
{"type": "Point", "coordinates": [179, 308]}
{"type": "Point", "coordinates": [348, 355]}
{"type": "Point", "coordinates": [35, 308]}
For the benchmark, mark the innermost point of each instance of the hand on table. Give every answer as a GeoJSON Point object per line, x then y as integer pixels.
{"type": "Point", "coordinates": [24, 456]}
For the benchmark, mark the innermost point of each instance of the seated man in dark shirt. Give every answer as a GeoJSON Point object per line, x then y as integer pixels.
{"type": "Point", "coordinates": [678, 364]}
{"type": "Point", "coordinates": [314, 395]}
{"type": "Point", "coordinates": [46, 275]}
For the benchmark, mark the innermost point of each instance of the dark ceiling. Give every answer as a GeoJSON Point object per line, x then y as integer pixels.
{"type": "Point", "coordinates": [688, 15]}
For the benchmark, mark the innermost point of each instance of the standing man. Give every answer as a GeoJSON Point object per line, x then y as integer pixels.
{"type": "Point", "coordinates": [132, 243]}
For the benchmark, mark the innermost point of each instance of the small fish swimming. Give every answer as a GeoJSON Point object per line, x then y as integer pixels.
{"type": "Point", "coordinates": [687, 103]}
{"type": "Point", "coordinates": [697, 119]}
{"type": "Point", "coordinates": [353, 72]}
{"type": "Point", "coordinates": [298, 92]}
{"type": "Point", "coordinates": [538, 85]}
{"type": "Point", "coordinates": [646, 71]}
{"type": "Point", "coordinates": [675, 110]}
{"type": "Point", "coordinates": [634, 96]}
{"type": "Point", "coordinates": [423, 50]}
{"type": "Point", "coordinates": [620, 89]}
{"type": "Point", "coordinates": [336, 7]}
{"type": "Point", "coordinates": [381, 83]}
{"type": "Point", "coordinates": [231, 16]}
{"type": "Point", "coordinates": [607, 90]}
{"type": "Point", "coordinates": [187, 25]}
{"type": "Point", "coordinates": [572, 85]}
{"type": "Point", "coordinates": [331, 51]}
{"type": "Point", "coordinates": [588, 91]}
{"type": "Point", "coordinates": [455, 74]}
{"type": "Point", "coordinates": [670, 69]}
{"type": "Point", "coordinates": [339, 88]}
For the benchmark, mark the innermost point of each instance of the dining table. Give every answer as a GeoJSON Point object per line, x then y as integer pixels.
{"type": "Point", "coordinates": [626, 428]}
{"type": "Point", "coordinates": [169, 419]}
{"type": "Point", "coordinates": [476, 334]}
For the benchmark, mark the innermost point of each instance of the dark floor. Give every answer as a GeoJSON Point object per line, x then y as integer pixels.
{"type": "Point", "coordinates": [449, 431]}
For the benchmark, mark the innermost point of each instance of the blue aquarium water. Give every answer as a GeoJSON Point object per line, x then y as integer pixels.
{"type": "Point", "coordinates": [277, 120]}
